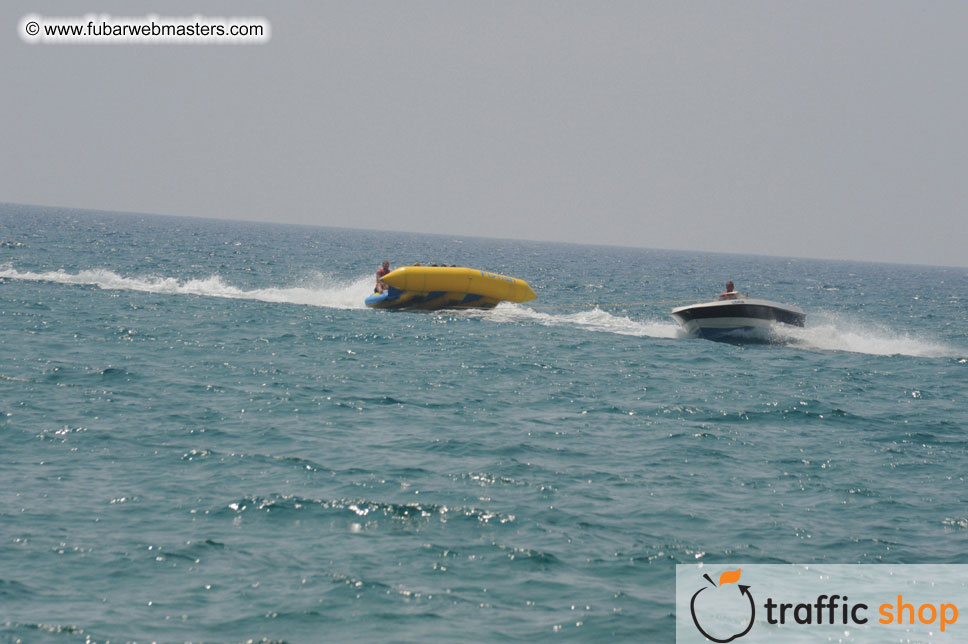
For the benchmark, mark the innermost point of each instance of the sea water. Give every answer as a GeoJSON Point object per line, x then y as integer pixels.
{"type": "Point", "coordinates": [206, 437]}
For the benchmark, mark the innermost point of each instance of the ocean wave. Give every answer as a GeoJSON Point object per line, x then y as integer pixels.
{"type": "Point", "coordinates": [354, 508]}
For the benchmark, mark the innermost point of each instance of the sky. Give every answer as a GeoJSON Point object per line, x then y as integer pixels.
{"type": "Point", "coordinates": [824, 129]}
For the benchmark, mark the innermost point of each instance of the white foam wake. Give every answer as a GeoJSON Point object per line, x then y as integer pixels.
{"type": "Point", "coordinates": [592, 320]}
{"type": "Point", "coordinates": [832, 332]}
{"type": "Point", "coordinates": [828, 333]}
{"type": "Point", "coordinates": [319, 290]}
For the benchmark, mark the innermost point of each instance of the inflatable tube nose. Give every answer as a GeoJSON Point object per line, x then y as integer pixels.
{"type": "Point", "coordinates": [526, 294]}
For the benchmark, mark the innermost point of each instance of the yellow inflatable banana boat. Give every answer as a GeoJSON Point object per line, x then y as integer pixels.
{"type": "Point", "coordinates": [439, 287]}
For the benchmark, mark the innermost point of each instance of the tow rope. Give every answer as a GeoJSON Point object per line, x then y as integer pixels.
{"type": "Point", "coordinates": [603, 305]}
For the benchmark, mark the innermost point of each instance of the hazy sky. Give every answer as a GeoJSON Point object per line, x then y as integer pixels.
{"type": "Point", "coordinates": [817, 129]}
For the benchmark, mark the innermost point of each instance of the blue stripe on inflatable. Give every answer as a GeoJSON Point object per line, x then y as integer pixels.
{"type": "Point", "coordinates": [375, 299]}
{"type": "Point", "coordinates": [386, 297]}
{"type": "Point", "coordinates": [394, 298]}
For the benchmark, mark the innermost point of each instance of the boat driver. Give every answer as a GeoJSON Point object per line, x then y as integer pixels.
{"type": "Point", "coordinates": [380, 272]}
{"type": "Point", "coordinates": [730, 293]}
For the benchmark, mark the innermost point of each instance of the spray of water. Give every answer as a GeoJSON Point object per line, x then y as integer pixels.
{"type": "Point", "coordinates": [833, 332]}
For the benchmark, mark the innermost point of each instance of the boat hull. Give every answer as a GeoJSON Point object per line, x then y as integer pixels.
{"type": "Point", "coordinates": [737, 318]}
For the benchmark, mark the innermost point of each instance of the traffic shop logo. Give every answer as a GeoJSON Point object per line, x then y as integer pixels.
{"type": "Point", "coordinates": [730, 599]}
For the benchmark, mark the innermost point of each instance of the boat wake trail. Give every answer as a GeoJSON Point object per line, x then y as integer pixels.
{"type": "Point", "coordinates": [831, 332]}
{"type": "Point", "coordinates": [828, 333]}
{"type": "Point", "coordinates": [317, 290]}
{"type": "Point", "coordinates": [593, 320]}
{"type": "Point", "coordinates": [824, 331]}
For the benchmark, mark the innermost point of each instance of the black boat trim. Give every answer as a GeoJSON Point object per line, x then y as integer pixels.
{"type": "Point", "coordinates": [741, 310]}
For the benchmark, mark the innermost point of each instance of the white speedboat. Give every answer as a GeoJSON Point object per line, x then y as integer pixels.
{"type": "Point", "coordinates": [737, 317]}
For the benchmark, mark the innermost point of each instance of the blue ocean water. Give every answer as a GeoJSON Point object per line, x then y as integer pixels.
{"type": "Point", "coordinates": [207, 438]}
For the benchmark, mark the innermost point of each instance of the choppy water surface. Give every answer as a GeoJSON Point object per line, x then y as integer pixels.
{"type": "Point", "coordinates": [207, 437]}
